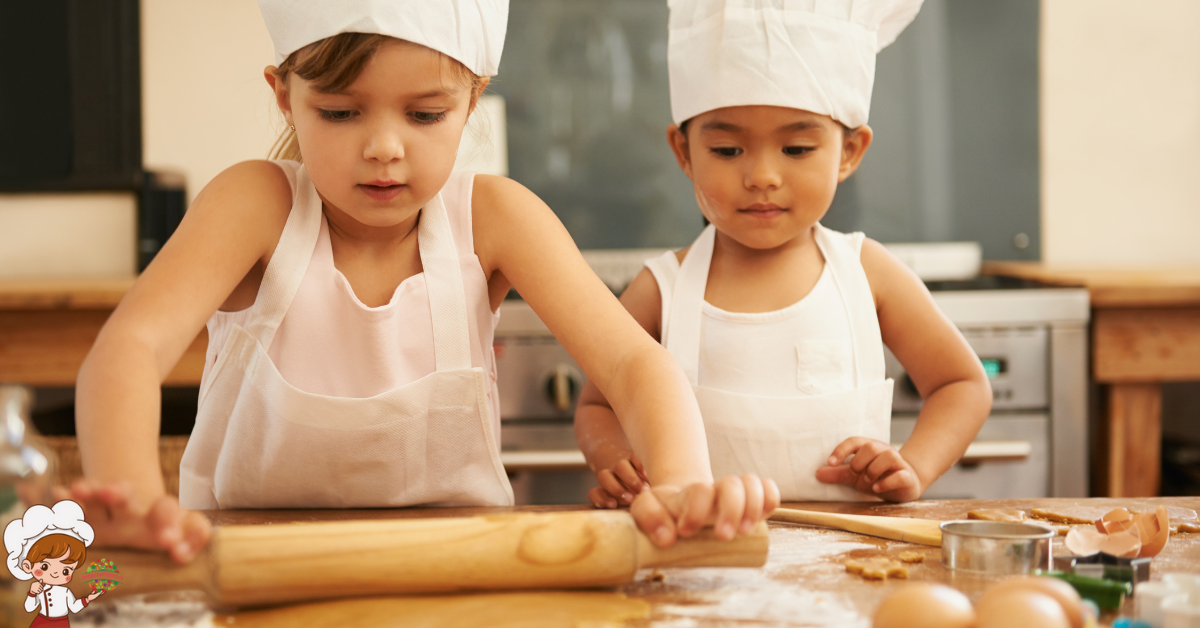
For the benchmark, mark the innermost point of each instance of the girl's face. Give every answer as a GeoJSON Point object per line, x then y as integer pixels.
{"type": "Point", "coordinates": [763, 175]}
{"type": "Point", "coordinates": [53, 571]}
{"type": "Point", "coordinates": [378, 151]}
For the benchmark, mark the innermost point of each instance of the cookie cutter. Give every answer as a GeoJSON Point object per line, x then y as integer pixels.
{"type": "Point", "coordinates": [996, 547]}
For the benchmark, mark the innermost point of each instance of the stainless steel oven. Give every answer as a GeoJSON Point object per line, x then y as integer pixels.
{"type": "Point", "coordinates": [1031, 338]}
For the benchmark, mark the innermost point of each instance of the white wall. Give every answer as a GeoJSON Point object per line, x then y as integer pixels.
{"type": "Point", "coordinates": [205, 105]}
{"type": "Point", "coordinates": [1120, 132]}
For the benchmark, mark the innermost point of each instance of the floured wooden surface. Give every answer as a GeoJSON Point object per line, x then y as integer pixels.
{"type": "Point", "coordinates": [804, 582]}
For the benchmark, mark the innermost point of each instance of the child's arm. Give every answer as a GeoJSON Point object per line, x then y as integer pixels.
{"type": "Point", "coordinates": [216, 256]}
{"type": "Point", "coordinates": [517, 236]}
{"type": "Point", "coordinates": [944, 369]}
{"type": "Point", "coordinates": [611, 458]}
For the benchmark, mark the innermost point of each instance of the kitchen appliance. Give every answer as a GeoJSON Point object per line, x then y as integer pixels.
{"type": "Point", "coordinates": [1031, 338]}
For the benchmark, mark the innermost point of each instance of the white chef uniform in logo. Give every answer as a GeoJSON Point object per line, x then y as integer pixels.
{"type": "Point", "coordinates": [819, 56]}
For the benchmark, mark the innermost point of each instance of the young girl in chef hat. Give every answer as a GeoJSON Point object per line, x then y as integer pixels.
{"type": "Point", "coordinates": [350, 299]}
{"type": "Point", "coordinates": [46, 546]}
{"type": "Point", "coordinates": [779, 322]}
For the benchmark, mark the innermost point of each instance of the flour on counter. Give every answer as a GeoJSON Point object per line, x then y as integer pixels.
{"type": "Point", "coordinates": [160, 610]}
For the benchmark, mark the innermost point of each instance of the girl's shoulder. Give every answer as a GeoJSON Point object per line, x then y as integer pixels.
{"type": "Point", "coordinates": [249, 201]}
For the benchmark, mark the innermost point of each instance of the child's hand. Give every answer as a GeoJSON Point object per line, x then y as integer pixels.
{"type": "Point", "coordinates": [732, 505]}
{"type": "Point", "coordinates": [95, 594]}
{"type": "Point", "coordinates": [36, 587]}
{"type": "Point", "coordinates": [621, 479]}
{"type": "Point", "coordinates": [121, 522]}
{"type": "Point", "coordinates": [877, 468]}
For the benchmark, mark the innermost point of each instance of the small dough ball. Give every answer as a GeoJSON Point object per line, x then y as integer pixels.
{"type": "Point", "coordinates": [1066, 595]}
{"type": "Point", "coordinates": [1016, 607]}
{"type": "Point", "coordinates": [925, 606]}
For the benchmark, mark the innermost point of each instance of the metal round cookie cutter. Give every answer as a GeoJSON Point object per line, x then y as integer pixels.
{"type": "Point", "coordinates": [995, 547]}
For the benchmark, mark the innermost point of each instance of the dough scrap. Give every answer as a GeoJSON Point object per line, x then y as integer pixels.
{"type": "Point", "coordinates": [1186, 528]}
{"type": "Point", "coordinates": [1089, 514]}
{"type": "Point", "coordinates": [911, 557]}
{"type": "Point", "coordinates": [997, 514]}
{"type": "Point", "coordinates": [877, 568]}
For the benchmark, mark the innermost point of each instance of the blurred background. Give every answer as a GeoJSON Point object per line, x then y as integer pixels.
{"type": "Point", "coordinates": [1061, 133]}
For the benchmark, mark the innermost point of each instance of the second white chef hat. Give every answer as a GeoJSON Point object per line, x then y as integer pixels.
{"type": "Point", "coordinates": [817, 55]}
{"type": "Point", "coordinates": [469, 31]}
{"type": "Point", "coordinates": [66, 517]}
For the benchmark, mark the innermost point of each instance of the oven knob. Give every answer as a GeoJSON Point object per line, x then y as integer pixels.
{"type": "Point", "coordinates": [562, 387]}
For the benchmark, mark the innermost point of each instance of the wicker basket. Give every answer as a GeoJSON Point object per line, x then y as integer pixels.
{"type": "Point", "coordinates": [70, 466]}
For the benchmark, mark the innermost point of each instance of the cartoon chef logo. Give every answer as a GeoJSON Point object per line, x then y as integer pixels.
{"type": "Point", "coordinates": [47, 545]}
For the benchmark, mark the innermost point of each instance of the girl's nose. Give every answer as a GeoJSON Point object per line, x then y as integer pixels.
{"type": "Point", "coordinates": [763, 175]}
{"type": "Point", "coordinates": [385, 144]}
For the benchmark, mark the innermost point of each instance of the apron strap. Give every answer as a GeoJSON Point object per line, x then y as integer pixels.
{"type": "Point", "coordinates": [290, 260]}
{"type": "Point", "coordinates": [444, 281]}
{"type": "Point", "coordinates": [845, 264]}
{"type": "Point", "coordinates": [687, 305]}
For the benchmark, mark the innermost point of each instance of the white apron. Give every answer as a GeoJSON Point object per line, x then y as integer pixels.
{"type": "Point", "coordinates": [786, 439]}
{"type": "Point", "coordinates": [261, 443]}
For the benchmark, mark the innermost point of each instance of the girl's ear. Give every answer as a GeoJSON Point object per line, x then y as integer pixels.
{"type": "Point", "coordinates": [679, 145]}
{"type": "Point", "coordinates": [855, 143]}
{"type": "Point", "coordinates": [26, 566]}
{"type": "Point", "coordinates": [279, 86]}
{"type": "Point", "coordinates": [477, 92]}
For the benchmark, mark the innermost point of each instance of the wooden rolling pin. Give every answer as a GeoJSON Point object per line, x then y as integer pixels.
{"type": "Point", "coordinates": [920, 531]}
{"type": "Point", "coordinates": [251, 565]}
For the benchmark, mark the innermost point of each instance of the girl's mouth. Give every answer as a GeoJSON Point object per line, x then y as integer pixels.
{"type": "Point", "coordinates": [382, 190]}
{"type": "Point", "coordinates": [763, 210]}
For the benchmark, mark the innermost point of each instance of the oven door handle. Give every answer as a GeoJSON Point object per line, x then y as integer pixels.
{"type": "Point", "coordinates": [545, 460]}
{"type": "Point", "coordinates": [997, 451]}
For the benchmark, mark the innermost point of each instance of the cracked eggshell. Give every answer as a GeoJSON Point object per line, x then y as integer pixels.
{"type": "Point", "coordinates": [1124, 544]}
{"type": "Point", "coordinates": [925, 606]}
{"type": "Point", "coordinates": [1084, 541]}
{"type": "Point", "coordinates": [1114, 521]}
{"type": "Point", "coordinates": [1154, 529]}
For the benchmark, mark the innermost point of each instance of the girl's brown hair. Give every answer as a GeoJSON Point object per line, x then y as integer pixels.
{"type": "Point", "coordinates": [334, 63]}
{"type": "Point", "coordinates": [56, 545]}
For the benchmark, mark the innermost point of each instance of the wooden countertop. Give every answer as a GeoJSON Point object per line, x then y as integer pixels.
{"type": "Point", "coordinates": [88, 293]}
{"type": "Point", "coordinates": [803, 583]}
{"type": "Point", "coordinates": [1168, 286]}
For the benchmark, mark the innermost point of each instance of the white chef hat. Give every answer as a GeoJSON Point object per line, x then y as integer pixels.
{"type": "Point", "coordinates": [66, 517]}
{"type": "Point", "coordinates": [817, 55]}
{"type": "Point", "coordinates": [470, 31]}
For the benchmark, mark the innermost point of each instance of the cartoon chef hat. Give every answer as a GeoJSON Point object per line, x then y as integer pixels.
{"type": "Point", "coordinates": [470, 31]}
{"type": "Point", "coordinates": [817, 55]}
{"type": "Point", "coordinates": [66, 517]}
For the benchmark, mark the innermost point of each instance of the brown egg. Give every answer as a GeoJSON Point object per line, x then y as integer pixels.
{"type": "Point", "coordinates": [1064, 593]}
{"type": "Point", "coordinates": [925, 606]}
{"type": "Point", "coordinates": [1020, 608]}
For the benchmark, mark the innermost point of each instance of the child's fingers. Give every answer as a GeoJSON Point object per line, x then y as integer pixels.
{"type": "Point", "coordinates": [753, 488]}
{"type": "Point", "coordinates": [163, 521]}
{"type": "Point", "coordinates": [637, 464]}
{"type": "Point", "coordinates": [886, 461]}
{"type": "Point", "coordinates": [697, 509]}
{"type": "Point", "coordinates": [196, 533]}
{"type": "Point", "coordinates": [609, 482]}
{"type": "Point", "coordinates": [771, 498]}
{"type": "Point", "coordinates": [601, 499]}
{"type": "Point", "coordinates": [841, 474]}
{"type": "Point", "coordinates": [652, 516]}
{"type": "Point", "coordinates": [629, 477]}
{"type": "Point", "coordinates": [866, 454]}
{"type": "Point", "coordinates": [731, 506]}
{"type": "Point", "coordinates": [901, 479]}
{"type": "Point", "coordinates": [845, 448]}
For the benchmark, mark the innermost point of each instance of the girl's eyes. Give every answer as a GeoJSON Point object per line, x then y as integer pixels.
{"type": "Point", "coordinates": [796, 151]}
{"type": "Point", "coordinates": [428, 117]}
{"type": "Point", "coordinates": [45, 567]}
{"type": "Point", "coordinates": [336, 115]}
{"type": "Point", "coordinates": [344, 115]}
{"type": "Point", "coordinates": [727, 151]}
{"type": "Point", "coordinates": [66, 571]}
